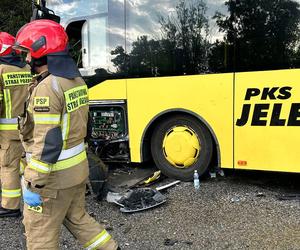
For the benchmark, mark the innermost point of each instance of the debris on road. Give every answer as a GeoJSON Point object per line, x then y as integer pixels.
{"type": "Point", "coordinates": [203, 220]}
{"type": "Point", "coordinates": [122, 178]}
{"type": "Point", "coordinates": [141, 199]}
{"type": "Point", "coordinates": [153, 178]}
{"type": "Point", "coordinates": [128, 193]}
{"type": "Point", "coordinates": [235, 199]}
{"type": "Point", "coordinates": [288, 197]}
{"type": "Point", "coordinates": [260, 194]}
{"type": "Point", "coordinates": [137, 199]}
{"type": "Point", "coordinates": [160, 188]}
{"type": "Point", "coordinates": [170, 242]}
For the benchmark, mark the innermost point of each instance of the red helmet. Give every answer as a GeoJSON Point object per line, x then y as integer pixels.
{"type": "Point", "coordinates": [42, 37]}
{"type": "Point", "coordinates": [6, 43]}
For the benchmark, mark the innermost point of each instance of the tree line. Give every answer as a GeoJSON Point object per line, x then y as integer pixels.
{"type": "Point", "coordinates": [14, 14]}
{"type": "Point", "coordinates": [258, 35]}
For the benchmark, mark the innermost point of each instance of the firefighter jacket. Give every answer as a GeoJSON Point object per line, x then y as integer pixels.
{"type": "Point", "coordinates": [53, 130]}
{"type": "Point", "coordinates": [13, 93]}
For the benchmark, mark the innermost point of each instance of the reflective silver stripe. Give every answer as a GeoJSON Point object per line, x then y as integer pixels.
{"type": "Point", "coordinates": [39, 167]}
{"type": "Point", "coordinates": [11, 193]}
{"type": "Point", "coordinates": [28, 157]}
{"type": "Point", "coordinates": [64, 125]}
{"type": "Point", "coordinates": [68, 153]}
{"type": "Point", "coordinates": [65, 154]}
{"type": "Point", "coordinates": [98, 241]}
{"type": "Point", "coordinates": [55, 84]}
{"type": "Point", "coordinates": [9, 121]}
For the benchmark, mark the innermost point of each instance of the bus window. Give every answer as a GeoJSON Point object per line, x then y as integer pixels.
{"type": "Point", "coordinates": [69, 10]}
{"type": "Point", "coordinates": [264, 35]}
{"type": "Point", "coordinates": [95, 43]}
{"type": "Point", "coordinates": [74, 31]}
{"type": "Point", "coordinates": [168, 38]}
{"type": "Point", "coordinates": [102, 35]}
{"type": "Point", "coordinates": [88, 43]}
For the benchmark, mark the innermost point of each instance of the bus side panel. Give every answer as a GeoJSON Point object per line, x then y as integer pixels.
{"type": "Point", "coordinates": [209, 96]}
{"type": "Point", "coordinates": [108, 90]}
{"type": "Point", "coordinates": [268, 137]}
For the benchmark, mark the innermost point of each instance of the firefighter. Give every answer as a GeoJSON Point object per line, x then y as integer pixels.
{"type": "Point", "coordinates": [54, 128]}
{"type": "Point", "coordinates": [14, 79]}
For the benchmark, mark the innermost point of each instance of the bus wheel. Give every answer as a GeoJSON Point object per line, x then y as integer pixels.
{"type": "Point", "coordinates": [181, 144]}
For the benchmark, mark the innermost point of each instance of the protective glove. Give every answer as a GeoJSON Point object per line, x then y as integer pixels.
{"type": "Point", "coordinates": [31, 198]}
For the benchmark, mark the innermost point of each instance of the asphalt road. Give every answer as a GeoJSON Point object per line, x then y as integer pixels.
{"type": "Point", "coordinates": [244, 210]}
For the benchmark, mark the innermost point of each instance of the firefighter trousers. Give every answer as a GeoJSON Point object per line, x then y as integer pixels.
{"type": "Point", "coordinates": [10, 157]}
{"type": "Point", "coordinates": [67, 206]}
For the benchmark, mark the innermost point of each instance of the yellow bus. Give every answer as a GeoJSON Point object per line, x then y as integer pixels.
{"type": "Point", "coordinates": [190, 84]}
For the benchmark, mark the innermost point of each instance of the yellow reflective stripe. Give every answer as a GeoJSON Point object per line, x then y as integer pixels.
{"type": "Point", "coordinates": [22, 168]}
{"type": "Point", "coordinates": [60, 165]}
{"type": "Point", "coordinates": [46, 119]}
{"type": "Point", "coordinates": [8, 126]}
{"type": "Point", "coordinates": [40, 166]}
{"type": "Point", "coordinates": [98, 240]}
{"type": "Point", "coordinates": [66, 154]}
{"type": "Point", "coordinates": [68, 163]}
{"type": "Point", "coordinates": [29, 109]}
{"type": "Point", "coordinates": [7, 103]}
{"type": "Point", "coordinates": [11, 193]}
{"type": "Point", "coordinates": [65, 128]}
{"type": "Point", "coordinates": [16, 78]}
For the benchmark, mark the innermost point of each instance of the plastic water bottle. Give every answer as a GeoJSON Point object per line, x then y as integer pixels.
{"type": "Point", "coordinates": [196, 180]}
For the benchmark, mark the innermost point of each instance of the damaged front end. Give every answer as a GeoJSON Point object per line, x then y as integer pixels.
{"type": "Point", "coordinates": [108, 140]}
{"type": "Point", "coordinates": [108, 131]}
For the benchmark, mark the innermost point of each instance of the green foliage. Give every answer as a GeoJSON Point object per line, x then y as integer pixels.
{"type": "Point", "coordinates": [181, 50]}
{"type": "Point", "coordinates": [259, 35]}
{"type": "Point", "coordinates": [14, 14]}
{"type": "Point", "coordinates": [187, 31]}
{"type": "Point", "coordinates": [262, 34]}
{"type": "Point", "coordinates": [121, 60]}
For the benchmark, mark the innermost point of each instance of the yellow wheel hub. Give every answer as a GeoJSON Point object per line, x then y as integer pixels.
{"type": "Point", "coordinates": [181, 146]}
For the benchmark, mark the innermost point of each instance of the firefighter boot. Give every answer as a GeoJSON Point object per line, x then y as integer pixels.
{"type": "Point", "coordinates": [9, 212]}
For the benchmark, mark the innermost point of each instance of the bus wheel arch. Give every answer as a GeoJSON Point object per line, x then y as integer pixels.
{"type": "Point", "coordinates": [180, 126]}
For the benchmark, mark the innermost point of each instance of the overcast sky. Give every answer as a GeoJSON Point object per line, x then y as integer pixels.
{"type": "Point", "coordinates": [142, 16]}
{"type": "Point", "coordinates": [141, 19]}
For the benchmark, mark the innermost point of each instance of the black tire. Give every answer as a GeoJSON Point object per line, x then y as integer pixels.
{"type": "Point", "coordinates": [204, 138]}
